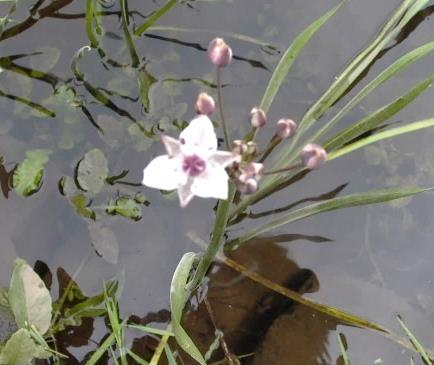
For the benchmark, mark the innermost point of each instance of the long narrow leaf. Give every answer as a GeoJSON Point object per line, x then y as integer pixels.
{"type": "Point", "coordinates": [288, 58]}
{"type": "Point", "coordinates": [377, 118]}
{"type": "Point", "coordinates": [178, 298]}
{"type": "Point", "coordinates": [371, 197]}
{"type": "Point", "coordinates": [427, 123]}
{"type": "Point", "coordinates": [154, 17]}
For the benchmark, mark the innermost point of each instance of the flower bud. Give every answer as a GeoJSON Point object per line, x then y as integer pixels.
{"type": "Point", "coordinates": [219, 52]}
{"type": "Point", "coordinates": [253, 170]}
{"type": "Point", "coordinates": [313, 156]}
{"type": "Point", "coordinates": [239, 147]}
{"type": "Point", "coordinates": [257, 117]}
{"type": "Point", "coordinates": [250, 148]}
{"type": "Point", "coordinates": [205, 104]}
{"type": "Point", "coordinates": [249, 186]}
{"type": "Point", "coordinates": [286, 128]}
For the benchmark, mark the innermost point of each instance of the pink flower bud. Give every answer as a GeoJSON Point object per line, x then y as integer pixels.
{"type": "Point", "coordinates": [249, 186]}
{"type": "Point", "coordinates": [257, 117]}
{"type": "Point", "coordinates": [250, 148]}
{"type": "Point", "coordinates": [313, 156]}
{"type": "Point", "coordinates": [219, 52]}
{"type": "Point", "coordinates": [253, 170]}
{"type": "Point", "coordinates": [239, 147]}
{"type": "Point", "coordinates": [286, 128]}
{"type": "Point", "coordinates": [205, 104]}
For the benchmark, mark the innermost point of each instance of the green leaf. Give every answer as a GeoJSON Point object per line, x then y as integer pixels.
{"type": "Point", "coordinates": [27, 177]}
{"type": "Point", "coordinates": [92, 171]}
{"type": "Point", "coordinates": [178, 298]}
{"type": "Point", "coordinates": [155, 16]}
{"type": "Point", "coordinates": [353, 200]}
{"type": "Point", "coordinates": [126, 207]}
{"type": "Point", "coordinates": [427, 123]}
{"type": "Point", "coordinates": [105, 242]}
{"type": "Point", "coordinates": [21, 349]}
{"type": "Point", "coordinates": [377, 118]}
{"type": "Point", "coordinates": [29, 298]}
{"type": "Point", "coordinates": [154, 331]}
{"type": "Point", "coordinates": [145, 81]}
{"type": "Point", "coordinates": [81, 205]}
{"type": "Point", "coordinates": [288, 58]}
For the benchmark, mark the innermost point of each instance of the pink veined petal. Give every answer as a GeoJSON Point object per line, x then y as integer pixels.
{"type": "Point", "coordinates": [172, 145]}
{"type": "Point", "coordinates": [185, 194]}
{"type": "Point", "coordinates": [213, 183]}
{"type": "Point", "coordinates": [164, 173]}
{"type": "Point", "coordinates": [224, 158]}
{"type": "Point", "coordinates": [199, 135]}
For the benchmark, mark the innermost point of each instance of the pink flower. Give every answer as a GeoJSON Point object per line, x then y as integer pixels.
{"type": "Point", "coordinates": [205, 104]}
{"type": "Point", "coordinates": [192, 165]}
{"type": "Point", "coordinates": [219, 52]}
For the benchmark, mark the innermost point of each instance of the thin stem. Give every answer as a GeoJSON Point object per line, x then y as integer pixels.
{"type": "Point", "coordinates": [221, 110]}
{"type": "Point", "coordinates": [284, 169]}
{"type": "Point", "coordinates": [135, 61]}
{"type": "Point", "coordinates": [271, 146]}
{"type": "Point", "coordinates": [211, 251]}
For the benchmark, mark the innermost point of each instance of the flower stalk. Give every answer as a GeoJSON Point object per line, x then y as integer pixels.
{"type": "Point", "coordinates": [221, 109]}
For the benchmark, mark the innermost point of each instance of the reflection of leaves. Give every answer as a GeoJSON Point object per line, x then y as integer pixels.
{"type": "Point", "coordinates": [27, 177]}
{"type": "Point", "coordinates": [29, 298]}
{"type": "Point", "coordinates": [5, 178]}
{"type": "Point", "coordinates": [126, 207]}
{"type": "Point", "coordinates": [81, 206]}
{"type": "Point", "coordinates": [21, 349]}
{"type": "Point", "coordinates": [45, 58]}
{"type": "Point", "coordinates": [92, 171]}
{"type": "Point", "coordinates": [145, 80]}
{"type": "Point", "coordinates": [105, 242]}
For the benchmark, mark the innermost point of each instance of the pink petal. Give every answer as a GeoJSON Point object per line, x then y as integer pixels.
{"type": "Point", "coordinates": [199, 134]}
{"type": "Point", "coordinates": [185, 194]}
{"type": "Point", "coordinates": [164, 173]}
{"type": "Point", "coordinates": [224, 158]}
{"type": "Point", "coordinates": [213, 183]}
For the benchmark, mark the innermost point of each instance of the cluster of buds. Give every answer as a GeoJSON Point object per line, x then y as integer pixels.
{"type": "Point", "coordinates": [248, 176]}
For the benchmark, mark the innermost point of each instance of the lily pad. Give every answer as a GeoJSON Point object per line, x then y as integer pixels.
{"type": "Point", "coordinates": [105, 242]}
{"type": "Point", "coordinates": [21, 349]}
{"type": "Point", "coordinates": [27, 177]}
{"type": "Point", "coordinates": [126, 207]}
{"type": "Point", "coordinates": [29, 299]}
{"type": "Point", "coordinates": [92, 171]}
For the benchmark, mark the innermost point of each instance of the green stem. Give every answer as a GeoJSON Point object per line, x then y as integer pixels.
{"type": "Point", "coordinates": [154, 17]}
{"type": "Point", "coordinates": [219, 229]}
{"type": "Point", "coordinates": [135, 61]}
{"type": "Point", "coordinates": [221, 110]}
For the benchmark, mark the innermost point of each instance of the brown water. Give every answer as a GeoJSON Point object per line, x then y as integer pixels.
{"type": "Point", "coordinates": [377, 261]}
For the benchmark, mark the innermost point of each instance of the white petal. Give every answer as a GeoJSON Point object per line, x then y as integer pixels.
{"type": "Point", "coordinates": [163, 173]}
{"type": "Point", "coordinates": [172, 145]}
{"type": "Point", "coordinates": [185, 194]}
{"type": "Point", "coordinates": [199, 134]}
{"type": "Point", "coordinates": [224, 158]}
{"type": "Point", "coordinates": [213, 183]}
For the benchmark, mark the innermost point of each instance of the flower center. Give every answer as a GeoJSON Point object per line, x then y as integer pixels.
{"type": "Point", "coordinates": [193, 165]}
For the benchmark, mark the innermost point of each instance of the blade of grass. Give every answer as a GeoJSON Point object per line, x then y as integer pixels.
{"type": "Point", "coordinates": [135, 61]}
{"type": "Point", "coordinates": [137, 358]}
{"type": "Point", "coordinates": [281, 71]}
{"type": "Point", "coordinates": [154, 17]}
{"type": "Point", "coordinates": [154, 331]}
{"type": "Point", "coordinates": [100, 351]}
{"type": "Point", "coordinates": [416, 344]}
{"type": "Point", "coordinates": [159, 350]}
{"type": "Point", "coordinates": [169, 354]}
{"type": "Point", "coordinates": [412, 127]}
{"type": "Point", "coordinates": [378, 117]}
{"type": "Point", "coordinates": [398, 66]}
{"type": "Point", "coordinates": [352, 200]}
{"type": "Point", "coordinates": [343, 348]}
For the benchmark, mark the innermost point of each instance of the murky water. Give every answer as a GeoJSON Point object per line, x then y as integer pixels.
{"type": "Point", "coordinates": [376, 262]}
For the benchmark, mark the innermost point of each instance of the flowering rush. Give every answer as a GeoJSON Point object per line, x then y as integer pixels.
{"type": "Point", "coordinates": [192, 165]}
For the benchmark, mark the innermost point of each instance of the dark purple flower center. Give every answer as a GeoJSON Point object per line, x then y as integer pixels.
{"type": "Point", "coordinates": [193, 165]}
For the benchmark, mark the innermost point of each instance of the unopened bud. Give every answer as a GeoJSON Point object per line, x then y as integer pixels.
{"type": "Point", "coordinates": [251, 148]}
{"type": "Point", "coordinates": [205, 104]}
{"type": "Point", "coordinates": [257, 117]}
{"type": "Point", "coordinates": [239, 147]}
{"type": "Point", "coordinates": [249, 186]}
{"type": "Point", "coordinates": [253, 170]}
{"type": "Point", "coordinates": [219, 52]}
{"type": "Point", "coordinates": [313, 156]}
{"type": "Point", "coordinates": [286, 128]}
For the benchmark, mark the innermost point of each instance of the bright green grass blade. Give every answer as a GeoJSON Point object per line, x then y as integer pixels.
{"type": "Point", "coordinates": [154, 331]}
{"type": "Point", "coordinates": [377, 118]}
{"type": "Point", "coordinates": [398, 66]}
{"type": "Point", "coordinates": [178, 298]}
{"type": "Point", "coordinates": [137, 358]}
{"type": "Point", "coordinates": [154, 17]}
{"type": "Point", "coordinates": [101, 350]}
{"type": "Point", "coordinates": [412, 127]}
{"type": "Point", "coordinates": [288, 58]}
{"type": "Point", "coordinates": [344, 354]}
{"type": "Point", "coordinates": [169, 354]}
{"type": "Point", "coordinates": [353, 200]}
{"type": "Point", "coordinates": [416, 344]}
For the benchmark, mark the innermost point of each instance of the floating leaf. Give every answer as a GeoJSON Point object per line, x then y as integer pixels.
{"type": "Point", "coordinates": [178, 298]}
{"type": "Point", "coordinates": [21, 349]}
{"type": "Point", "coordinates": [7, 320]}
{"type": "Point", "coordinates": [67, 186]}
{"type": "Point", "coordinates": [145, 80]}
{"type": "Point", "coordinates": [92, 171]}
{"type": "Point", "coordinates": [126, 207]}
{"type": "Point", "coordinates": [81, 206]}
{"type": "Point", "coordinates": [27, 177]}
{"type": "Point", "coordinates": [105, 242]}
{"type": "Point", "coordinates": [29, 299]}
